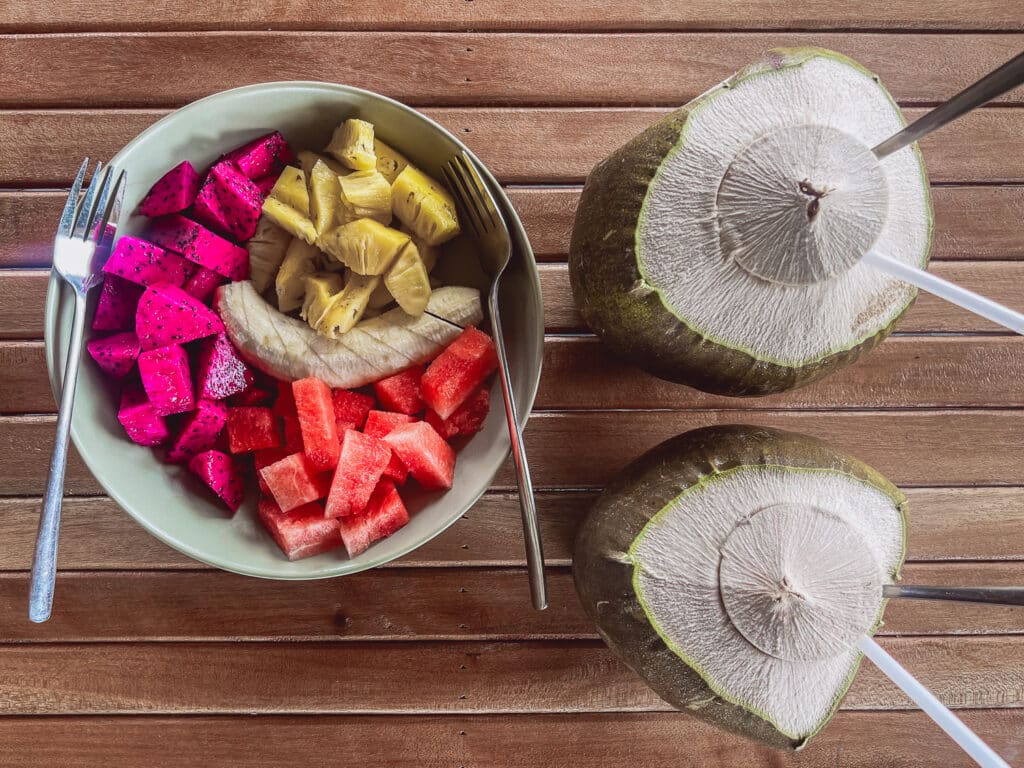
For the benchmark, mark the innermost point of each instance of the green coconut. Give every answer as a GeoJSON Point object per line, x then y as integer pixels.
{"type": "Point", "coordinates": [722, 247]}
{"type": "Point", "coordinates": [735, 568]}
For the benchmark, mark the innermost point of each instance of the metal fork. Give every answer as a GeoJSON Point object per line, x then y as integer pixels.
{"type": "Point", "coordinates": [83, 226]}
{"type": "Point", "coordinates": [488, 225]}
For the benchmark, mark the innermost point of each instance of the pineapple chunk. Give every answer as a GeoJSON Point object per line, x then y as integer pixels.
{"type": "Point", "coordinates": [300, 261]}
{"type": "Point", "coordinates": [290, 189]}
{"type": "Point", "coordinates": [289, 219]}
{"type": "Point", "coordinates": [266, 252]}
{"type": "Point", "coordinates": [367, 194]}
{"type": "Point", "coordinates": [429, 253]}
{"type": "Point", "coordinates": [352, 144]}
{"type": "Point", "coordinates": [380, 297]}
{"type": "Point", "coordinates": [325, 196]}
{"type": "Point", "coordinates": [308, 159]}
{"type": "Point", "coordinates": [390, 162]}
{"type": "Point", "coordinates": [320, 289]}
{"type": "Point", "coordinates": [365, 246]}
{"type": "Point", "coordinates": [424, 206]}
{"type": "Point", "coordinates": [408, 282]}
{"type": "Point", "coordinates": [347, 307]}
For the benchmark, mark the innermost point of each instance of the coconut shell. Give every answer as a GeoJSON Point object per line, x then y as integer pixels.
{"type": "Point", "coordinates": [604, 575]}
{"type": "Point", "coordinates": [627, 313]}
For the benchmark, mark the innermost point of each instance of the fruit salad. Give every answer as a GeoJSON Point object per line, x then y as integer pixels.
{"type": "Point", "coordinates": [275, 325]}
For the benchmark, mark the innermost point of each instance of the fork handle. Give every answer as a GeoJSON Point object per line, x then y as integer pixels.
{"type": "Point", "coordinates": [527, 502]}
{"type": "Point", "coordinates": [44, 566]}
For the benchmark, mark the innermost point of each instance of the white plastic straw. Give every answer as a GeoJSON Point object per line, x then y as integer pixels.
{"type": "Point", "coordinates": [968, 740]}
{"type": "Point", "coordinates": [951, 292]}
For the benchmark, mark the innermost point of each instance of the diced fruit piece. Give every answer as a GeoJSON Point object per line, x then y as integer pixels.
{"type": "Point", "coordinates": [467, 420]}
{"type": "Point", "coordinates": [320, 290]}
{"type": "Point", "coordinates": [429, 254]}
{"type": "Point", "coordinates": [292, 433]}
{"type": "Point", "coordinates": [221, 474]}
{"type": "Point", "coordinates": [424, 206]}
{"type": "Point", "coordinates": [264, 458]}
{"type": "Point", "coordinates": [347, 307]}
{"type": "Point", "coordinates": [266, 183]}
{"type": "Point", "coordinates": [291, 190]}
{"type": "Point", "coordinates": [115, 310]}
{"type": "Point", "coordinates": [115, 354]}
{"type": "Point", "coordinates": [316, 420]}
{"type": "Point", "coordinates": [367, 194]}
{"type": "Point", "coordinates": [229, 202]}
{"type": "Point", "coordinates": [365, 246]}
{"type": "Point", "coordinates": [407, 281]}
{"type": "Point", "coordinates": [458, 371]}
{"type": "Point", "coordinates": [252, 429]}
{"type": "Point", "coordinates": [309, 159]}
{"type": "Point", "coordinates": [203, 284]}
{"type": "Point", "coordinates": [144, 263]}
{"type": "Point", "coordinates": [293, 481]}
{"type": "Point", "coordinates": [266, 249]}
{"type": "Point", "coordinates": [324, 196]}
{"type": "Point", "coordinates": [140, 419]}
{"type": "Point", "coordinates": [380, 297]}
{"type": "Point", "coordinates": [198, 244]}
{"type": "Point", "coordinates": [351, 407]}
{"type": "Point", "coordinates": [167, 315]}
{"type": "Point", "coordinates": [300, 261]}
{"type": "Point", "coordinates": [262, 156]}
{"type": "Point", "coordinates": [284, 405]}
{"type": "Point", "coordinates": [302, 532]}
{"type": "Point", "coordinates": [385, 513]}
{"type": "Point", "coordinates": [390, 162]}
{"type": "Point", "coordinates": [401, 392]}
{"type": "Point", "coordinates": [430, 460]}
{"type": "Point", "coordinates": [174, 191]}
{"type": "Point", "coordinates": [363, 460]}
{"type": "Point", "coordinates": [251, 395]}
{"type": "Point", "coordinates": [352, 144]}
{"type": "Point", "coordinates": [292, 221]}
{"type": "Point", "coordinates": [381, 423]}
{"type": "Point", "coordinates": [199, 432]}
{"type": "Point", "coordinates": [220, 373]}
{"type": "Point", "coordinates": [165, 377]}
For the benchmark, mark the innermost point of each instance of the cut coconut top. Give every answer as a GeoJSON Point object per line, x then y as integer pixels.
{"type": "Point", "coordinates": [754, 226]}
{"type": "Point", "coordinates": [762, 578]}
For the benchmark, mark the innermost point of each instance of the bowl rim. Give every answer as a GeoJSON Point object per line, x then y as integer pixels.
{"type": "Point", "coordinates": [56, 292]}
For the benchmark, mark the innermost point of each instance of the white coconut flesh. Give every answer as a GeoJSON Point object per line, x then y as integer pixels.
{"type": "Point", "coordinates": [755, 224]}
{"type": "Point", "coordinates": [763, 578]}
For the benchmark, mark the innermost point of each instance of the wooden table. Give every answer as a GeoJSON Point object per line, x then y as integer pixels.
{"type": "Point", "coordinates": [154, 660]}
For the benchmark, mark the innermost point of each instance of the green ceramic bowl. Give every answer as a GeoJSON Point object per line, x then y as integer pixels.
{"type": "Point", "coordinates": [165, 499]}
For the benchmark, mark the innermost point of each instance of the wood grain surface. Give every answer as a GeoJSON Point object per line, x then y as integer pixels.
{"type": "Point", "coordinates": [153, 659]}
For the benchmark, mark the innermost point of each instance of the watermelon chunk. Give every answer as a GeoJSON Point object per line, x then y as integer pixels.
{"type": "Point", "coordinates": [385, 513]}
{"type": "Point", "coordinates": [317, 423]}
{"type": "Point", "coordinates": [252, 395]}
{"type": "Point", "coordinates": [292, 434]}
{"type": "Point", "coordinates": [252, 428]}
{"type": "Point", "coordinates": [302, 532]}
{"type": "Point", "coordinates": [351, 407]}
{"type": "Point", "coordinates": [430, 460]}
{"type": "Point", "coordinates": [467, 420]}
{"type": "Point", "coordinates": [264, 458]}
{"type": "Point", "coordinates": [363, 460]}
{"type": "Point", "coordinates": [401, 393]}
{"type": "Point", "coordinates": [380, 423]}
{"type": "Point", "coordinates": [458, 371]}
{"type": "Point", "coordinates": [284, 405]}
{"type": "Point", "coordinates": [293, 481]}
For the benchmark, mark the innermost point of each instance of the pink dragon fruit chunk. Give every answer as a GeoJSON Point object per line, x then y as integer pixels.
{"type": "Point", "coordinates": [199, 431]}
{"type": "Point", "coordinates": [228, 202]}
{"type": "Point", "coordinates": [220, 373]}
{"type": "Point", "coordinates": [203, 284]}
{"type": "Point", "coordinates": [167, 315]}
{"type": "Point", "coordinates": [262, 156]}
{"type": "Point", "coordinates": [115, 354]}
{"type": "Point", "coordinates": [266, 183]}
{"type": "Point", "coordinates": [166, 379]}
{"type": "Point", "coordinates": [175, 191]}
{"type": "Point", "coordinates": [140, 420]}
{"type": "Point", "coordinates": [196, 243]}
{"type": "Point", "coordinates": [115, 310]}
{"type": "Point", "coordinates": [144, 263]}
{"type": "Point", "coordinates": [221, 474]}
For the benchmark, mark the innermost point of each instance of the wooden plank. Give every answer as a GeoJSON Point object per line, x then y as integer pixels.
{"type": "Point", "coordinates": [434, 678]}
{"type": "Point", "coordinates": [44, 148]}
{"type": "Point", "coordinates": [579, 373]}
{"type": "Point", "coordinates": [557, 15]}
{"type": "Point", "coordinates": [398, 604]}
{"type": "Point", "coordinates": [924, 447]}
{"type": "Point", "coordinates": [1001, 281]}
{"type": "Point", "coordinates": [977, 223]}
{"type": "Point", "coordinates": [945, 524]}
{"type": "Point", "coordinates": [22, 303]}
{"type": "Point", "coordinates": [659, 740]}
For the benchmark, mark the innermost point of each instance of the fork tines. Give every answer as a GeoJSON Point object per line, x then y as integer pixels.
{"type": "Point", "coordinates": [473, 195]}
{"type": "Point", "coordinates": [88, 219]}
